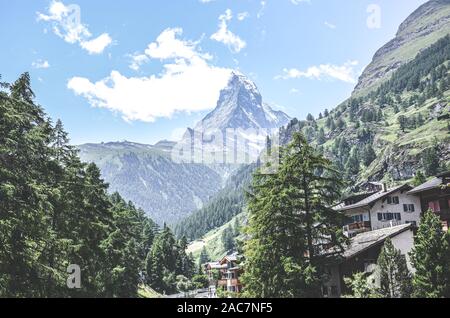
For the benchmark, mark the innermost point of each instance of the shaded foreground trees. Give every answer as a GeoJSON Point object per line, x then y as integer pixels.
{"type": "Point", "coordinates": [291, 225]}
{"type": "Point", "coordinates": [55, 211]}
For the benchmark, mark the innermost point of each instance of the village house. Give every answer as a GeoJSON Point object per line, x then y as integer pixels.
{"type": "Point", "coordinates": [224, 275]}
{"type": "Point", "coordinates": [434, 195]}
{"type": "Point", "coordinates": [377, 210]}
{"type": "Point", "coordinates": [362, 253]}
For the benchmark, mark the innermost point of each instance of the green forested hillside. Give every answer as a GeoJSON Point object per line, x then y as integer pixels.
{"type": "Point", "coordinates": [393, 131]}
{"type": "Point", "coordinates": [147, 175]}
{"type": "Point", "coordinates": [426, 25]}
{"type": "Point", "coordinates": [220, 210]}
{"type": "Point", "coordinates": [56, 215]}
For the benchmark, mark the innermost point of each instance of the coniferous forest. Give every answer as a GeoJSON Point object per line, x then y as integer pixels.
{"type": "Point", "coordinates": [55, 212]}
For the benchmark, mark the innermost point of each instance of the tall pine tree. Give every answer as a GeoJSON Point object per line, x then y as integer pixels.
{"type": "Point", "coordinates": [291, 225]}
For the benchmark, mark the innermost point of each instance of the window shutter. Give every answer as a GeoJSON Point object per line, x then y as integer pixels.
{"type": "Point", "coordinates": [405, 208]}
{"type": "Point", "coordinates": [380, 216]}
{"type": "Point", "coordinates": [431, 206]}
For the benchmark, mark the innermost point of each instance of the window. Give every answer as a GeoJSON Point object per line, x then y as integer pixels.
{"type": "Point", "coordinates": [389, 216]}
{"type": "Point", "coordinates": [409, 208]}
{"type": "Point", "coordinates": [434, 206]}
{"type": "Point", "coordinates": [393, 200]}
{"type": "Point", "coordinates": [356, 218]}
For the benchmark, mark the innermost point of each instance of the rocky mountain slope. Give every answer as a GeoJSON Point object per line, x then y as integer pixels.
{"type": "Point", "coordinates": [170, 190]}
{"type": "Point", "coordinates": [240, 105]}
{"type": "Point", "coordinates": [422, 28]}
{"type": "Point", "coordinates": [147, 176]}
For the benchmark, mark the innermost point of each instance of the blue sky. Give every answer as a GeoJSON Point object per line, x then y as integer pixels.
{"type": "Point", "coordinates": [145, 70]}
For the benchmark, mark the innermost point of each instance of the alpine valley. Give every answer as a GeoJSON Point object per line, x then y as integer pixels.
{"type": "Point", "coordinates": [170, 191]}
{"type": "Point", "coordinates": [358, 205]}
{"type": "Point", "coordinates": [396, 123]}
{"type": "Point", "coordinates": [397, 113]}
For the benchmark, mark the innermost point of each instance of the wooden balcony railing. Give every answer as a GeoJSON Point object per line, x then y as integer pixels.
{"type": "Point", "coordinates": [358, 226]}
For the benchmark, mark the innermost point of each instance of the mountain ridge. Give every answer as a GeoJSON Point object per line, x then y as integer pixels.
{"type": "Point", "coordinates": [240, 105]}
{"type": "Point", "coordinates": [169, 191]}
{"type": "Point", "coordinates": [418, 31]}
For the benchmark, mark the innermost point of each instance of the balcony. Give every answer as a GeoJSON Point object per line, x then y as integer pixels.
{"type": "Point", "coordinates": [234, 282]}
{"type": "Point", "coordinates": [222, 282]}
{"type": "Point", "coordinates": [358, 227]}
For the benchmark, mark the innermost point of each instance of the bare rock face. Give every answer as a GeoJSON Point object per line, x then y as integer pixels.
{"type": "Point", "coordinates": [240, 105]}
{"type": "Point", "coordinates": [423, 27]}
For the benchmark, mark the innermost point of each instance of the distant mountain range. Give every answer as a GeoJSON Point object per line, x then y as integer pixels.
{"type": "Point", "coordinates": [169, 191]}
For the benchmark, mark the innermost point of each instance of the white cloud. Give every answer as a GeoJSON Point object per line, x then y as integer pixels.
{"type": "Point", "coordinates": [137, 60]}
{"type": "Point", "coordinates": [225, 36]}
{"type": "Point", "coordinates": [262, 9]}
{"type": "Point", "coordinates": [330, 25]}
{"type": "Point", "coordinates": [97, 45]}
{"type": "Point", "coordinates": [206, 1]}
{"type": "Point", "coordinates": [294, 91]}
{"type": "Point", "coordinates": [40, 64]}
{"type": "Point", "coordinates": [187, 83]}
{"type": "Point", "coordinates": [168, 46]}
{"type": "Point", "coordinates": [66, 23]}
{"type": "Point", "coordinates": [345, 72]}
{"type": "Point", "coordinates": [242, 16]}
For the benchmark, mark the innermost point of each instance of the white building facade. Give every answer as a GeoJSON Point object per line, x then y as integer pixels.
{"type": "Point", "coordinates": [386, 208]}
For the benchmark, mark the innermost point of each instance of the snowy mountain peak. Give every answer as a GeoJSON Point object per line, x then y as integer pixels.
{"type": "Point", "coordinates": [240, 105]}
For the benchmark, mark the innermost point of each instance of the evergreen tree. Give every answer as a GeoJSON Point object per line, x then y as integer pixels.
{"type": "Point", "coordinates": [369, 155]}
{"type": "Point", "coordinates": [419, 178]}
{"type": "Point", "coordinates": [290, 224]}
{"type": "Point", "coordinates": [321, 137]}
{"type": "Point", "coordinates": [360, 286]}
{"type": "Point", "coordinates": [203, 259]}
{"type": "Point", "coordinates": [430, 257]}
{"type": "Point", "coordinates": [403, 122]}
{"type": "Point", "coordinates": [55, 212]}
{"type": "Point", "coordinates": [228, 239]}
{"type": "Point", "coordinates": [430, 159]}
{"type": "Point", "coordinates": [352, 166]}
{"type": "Point", "coordinates": [395, 278]}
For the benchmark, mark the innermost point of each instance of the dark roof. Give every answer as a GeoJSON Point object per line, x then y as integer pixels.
{"type": "Point", "coordinates": [444, 175]}
{"type": "Point", "coordinates": [432, 184]}
{"type": "Point", "coordinates": [371, 199]}
{"type": "Point", "coordinates": [364, 241]}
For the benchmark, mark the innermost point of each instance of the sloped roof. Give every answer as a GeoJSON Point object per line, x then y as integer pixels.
{"type": "Point", "coordinates": [364, 241]}
{"type": "Point", "coordinates": [215, 265]}
{"type": "Point", "coordinates": [371, 199]}
{"type": "Point", "coordinates": [433, 183]}
{"type": "Point", "coordinates": [230, 258]}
